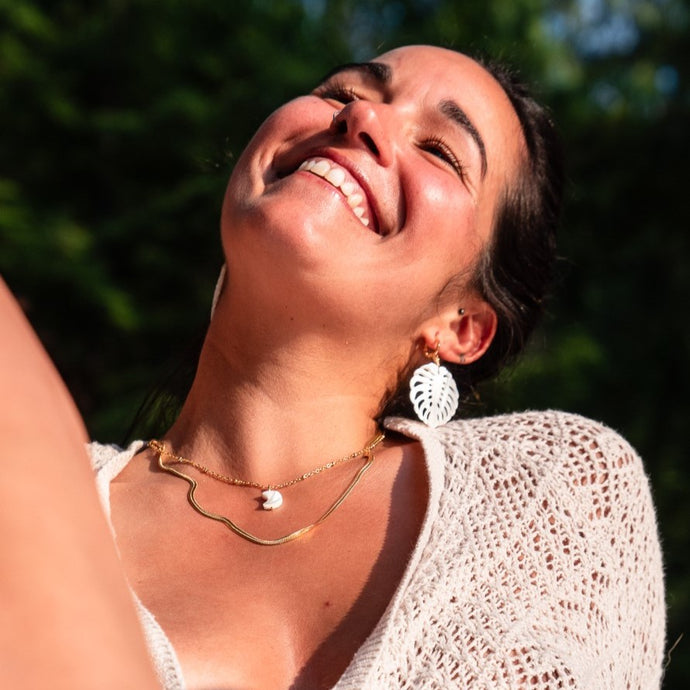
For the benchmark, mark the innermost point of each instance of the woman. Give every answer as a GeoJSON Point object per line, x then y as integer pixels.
{"type": "Point", "coordinates": [400, 215]}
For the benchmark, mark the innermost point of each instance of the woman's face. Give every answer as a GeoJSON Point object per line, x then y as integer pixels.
{"type": "Point", "coordinates": [375, 213]}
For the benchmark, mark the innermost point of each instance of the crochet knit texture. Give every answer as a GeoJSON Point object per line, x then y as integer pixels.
{"type": "Point", "coordinates": [537, 566]}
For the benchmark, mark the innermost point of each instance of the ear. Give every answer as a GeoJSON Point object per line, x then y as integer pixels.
{"type": "Point", "coordinates": [464, 333]}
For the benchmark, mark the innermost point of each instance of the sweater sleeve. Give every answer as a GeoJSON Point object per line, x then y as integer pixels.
{"type": "Point", "coordinates": [542, 568]}
{"type": "Point", "coordinates": [617, 567]}
{"type": "Point", "coordinates": [553, 568]}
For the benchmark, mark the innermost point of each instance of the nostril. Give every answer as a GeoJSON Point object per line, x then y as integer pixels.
{"type": "Point", "coordinates": [369, 142]}
{"type": "Point", "coordinates": [338, 126]}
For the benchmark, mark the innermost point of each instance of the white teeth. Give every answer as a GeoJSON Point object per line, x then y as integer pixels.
{"type": "Point", "coordinates": [321, 168]}
{"type": "Point", "coordinates": [307, 165]}
{"type": "Point", "coordinates": [354, 199]}
{"type": "Point", "coordinates": [335, 175]}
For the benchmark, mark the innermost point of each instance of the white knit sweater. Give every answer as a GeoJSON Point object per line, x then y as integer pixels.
{"type": "Point", "coordinates": [537, 566]}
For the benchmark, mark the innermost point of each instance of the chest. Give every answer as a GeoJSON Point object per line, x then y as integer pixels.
{"type": "Point", "coordinates": [241, 615]}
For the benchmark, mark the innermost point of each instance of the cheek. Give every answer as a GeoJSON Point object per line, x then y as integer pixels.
{"type": "Point", "coordinates": [254, 165]}
{"type": "Point", "coordinates": [447, 221]}
{"type": "Point", "coordinates": [296, 119]}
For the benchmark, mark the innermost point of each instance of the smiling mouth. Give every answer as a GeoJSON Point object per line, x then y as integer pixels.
{"type": "Point", "coordinates": [339, 178]}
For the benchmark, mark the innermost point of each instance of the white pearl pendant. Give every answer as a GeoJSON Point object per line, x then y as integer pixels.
{"type": "Point", "coordinates": [272, 499]}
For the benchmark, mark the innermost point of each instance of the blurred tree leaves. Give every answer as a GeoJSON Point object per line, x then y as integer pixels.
{"type": "Point", "coordinates": [120, 120]}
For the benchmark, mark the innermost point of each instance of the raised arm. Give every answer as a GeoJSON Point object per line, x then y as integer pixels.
{"type": "Point", "coordinates": [67, 619]}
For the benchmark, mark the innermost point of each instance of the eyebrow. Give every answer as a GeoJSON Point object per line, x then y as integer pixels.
{"type": "Point", "coordinates": [382, 74]}
{"type": "Point", "coordinates": [455, 113]}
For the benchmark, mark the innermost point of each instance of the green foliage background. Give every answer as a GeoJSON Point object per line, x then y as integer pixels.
{"type": "Point", "coordinates": [119, 121]}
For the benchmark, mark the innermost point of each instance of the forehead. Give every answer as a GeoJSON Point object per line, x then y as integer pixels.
{"type": "Point", "coordinates": [430, 75]}
{"type": "Point", "coordinates": [429, 68]}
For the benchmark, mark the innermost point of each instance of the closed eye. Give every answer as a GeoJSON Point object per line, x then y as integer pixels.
{"type": "Point", "coordinates": [336, 91]}
{"type": "Point", "coordinates": [439, 148]}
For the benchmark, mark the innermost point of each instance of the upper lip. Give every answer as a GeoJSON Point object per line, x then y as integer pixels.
{"type": "Point", "coordinates": [353, 169]}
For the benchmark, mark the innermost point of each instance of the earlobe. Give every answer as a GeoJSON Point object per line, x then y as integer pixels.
{"type": "Point", "coordinates": [464, 335]}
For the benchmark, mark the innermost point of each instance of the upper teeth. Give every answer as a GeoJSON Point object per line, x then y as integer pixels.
{"type": "Point", "coordinates": [336, 176]}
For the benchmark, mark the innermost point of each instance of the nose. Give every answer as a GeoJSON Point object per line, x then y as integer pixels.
{"type": "Point", "coordinates": [364, 125]}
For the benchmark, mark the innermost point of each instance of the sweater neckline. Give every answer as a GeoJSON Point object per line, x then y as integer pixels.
{"type": "Point", "coordinates": [364, 661]}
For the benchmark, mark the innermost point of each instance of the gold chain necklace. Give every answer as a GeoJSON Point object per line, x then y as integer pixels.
{"type": "Point", "coordinates": [367, 452]}
{"type": "Point", "coordinates": [271, 495]}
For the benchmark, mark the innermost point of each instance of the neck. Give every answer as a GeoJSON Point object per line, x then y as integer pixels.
{"type": "Point", "coordinates": [266, 413]}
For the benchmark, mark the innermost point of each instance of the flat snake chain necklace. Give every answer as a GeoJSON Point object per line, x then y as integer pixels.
{"type": "Point", "coordinates": [269, 491]}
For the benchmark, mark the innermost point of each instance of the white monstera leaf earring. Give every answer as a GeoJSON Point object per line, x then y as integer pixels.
{"type": "Point", "coordinates": [433, 391]}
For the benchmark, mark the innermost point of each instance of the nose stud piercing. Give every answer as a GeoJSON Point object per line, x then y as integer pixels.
{"type": "Point", "coordinates": [338, 126]}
